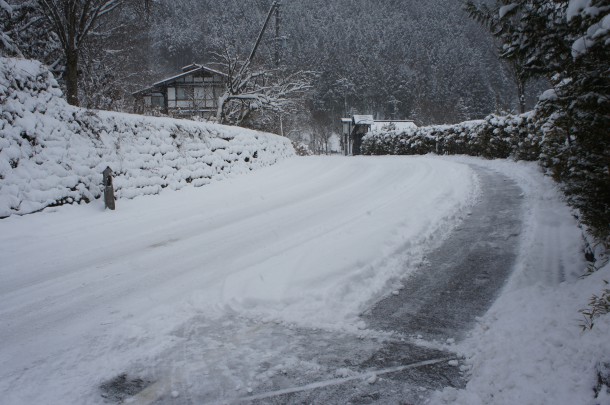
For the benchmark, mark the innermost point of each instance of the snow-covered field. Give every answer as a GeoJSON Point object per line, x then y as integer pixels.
{"type": "Point", "coordinates": [308, 242]}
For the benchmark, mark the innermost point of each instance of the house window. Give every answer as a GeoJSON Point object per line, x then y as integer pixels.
{"type": "Point", "coordinates": [157, 100]}
{"type": "Point", "coordinates": [199, 96]}
{"type": "Point", "coordinates": [184, 93]}
{"type": "Point", "coordinates": [171, 97]}
{"type": "Point", "coordinates": [213, 79]}
{"type": "Point", "coordinates": [210, 97]}
{"type": "Point", "coordinates": [205, 96]}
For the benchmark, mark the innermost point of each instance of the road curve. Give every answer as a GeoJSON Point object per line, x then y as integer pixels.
{"type": "Point", "coordinates": [85, 294]}
{"type": "Point", "coordinates": [455, 284]}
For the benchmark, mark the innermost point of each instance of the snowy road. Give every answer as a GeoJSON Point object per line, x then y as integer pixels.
{"type": "Point", "coordinates": [87, 295]}
{"type": "Point", "coordinates": [460, 280]}
{"type": "Point", "coordinates": [424, 313]}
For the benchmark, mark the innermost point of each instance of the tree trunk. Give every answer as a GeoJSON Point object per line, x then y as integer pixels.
{"type": "Point", "coordinates": [71, 77]}
{"type": "Point", "coordinates": [220, 112]}
{"type": "Point", "coordinates": [521, 94]}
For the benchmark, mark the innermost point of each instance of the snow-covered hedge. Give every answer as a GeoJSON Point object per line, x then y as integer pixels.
{"type": "Point", "coordinates": [493, 137]}
{"type": "Point", "coordinates": [52, 153]}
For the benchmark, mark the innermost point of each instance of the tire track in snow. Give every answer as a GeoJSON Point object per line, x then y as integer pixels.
{"type": "Point", "coordinates": [106, 296]}
{"type": "Point", "coordinates": [460, 280]}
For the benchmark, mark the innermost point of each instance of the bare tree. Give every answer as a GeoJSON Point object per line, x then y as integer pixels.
{"type": "Point", "coordinates": [8, 29]}
{"type": "Point", "coordinates": [73, 21]}
{"type": "Point", "coordinates": [23, 32]}
{"type": "Point", "coordinates": [261, 89]}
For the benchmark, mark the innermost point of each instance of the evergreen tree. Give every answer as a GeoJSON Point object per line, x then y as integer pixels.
{"type": "Point", "coordinates": [575, 114]}
{"type": "Point", "coordinates": [569, 43]}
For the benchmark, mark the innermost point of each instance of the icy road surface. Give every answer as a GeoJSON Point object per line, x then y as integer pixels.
{"type": "Point", "coordinates": [87, 295]}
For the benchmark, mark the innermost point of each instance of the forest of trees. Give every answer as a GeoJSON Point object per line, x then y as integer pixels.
{"type": "Point", "coordinates": [402, 59]}
{"type": "Point", "coordinates": [426, 61]}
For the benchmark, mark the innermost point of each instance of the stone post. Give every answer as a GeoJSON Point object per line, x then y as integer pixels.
{"type": "Point", "coordinates": [108, 189]}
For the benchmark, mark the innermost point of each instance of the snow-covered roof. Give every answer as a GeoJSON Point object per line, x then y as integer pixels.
{"type": "Point", "coordinates": [190, 72]}
{"type": "Point", "coordinates": [187, 70]}
{"type": "Point", "coordinates": [190, 67]}
{"type": "Point", "coordinates": [363, 120]}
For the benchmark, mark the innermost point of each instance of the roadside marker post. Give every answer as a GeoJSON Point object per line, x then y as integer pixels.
{"type": "Point", "coordinates": [108, 189]}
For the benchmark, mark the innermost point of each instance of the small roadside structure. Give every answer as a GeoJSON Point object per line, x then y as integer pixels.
{"type": "Point", "coordinates": [357, 126]}
{"type": "Point", "coordinates": [194, 92]}
{"type": "Point", "coordinates": [354, 130]}
{"type": "Point", "coordinates": [346, 130]}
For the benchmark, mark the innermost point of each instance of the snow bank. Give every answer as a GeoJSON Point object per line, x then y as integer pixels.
{"type": "Point", "coordinates": [52, 153]}
{"type": "Point", "coordinates": [530, 348]}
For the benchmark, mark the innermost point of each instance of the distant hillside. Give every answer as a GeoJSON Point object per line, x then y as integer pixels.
{"type": "Point", "coordinates": [422, 60]}
{"type": "Point", "coordinates": [52, 153]}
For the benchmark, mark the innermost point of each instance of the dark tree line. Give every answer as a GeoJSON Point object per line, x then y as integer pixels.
{"type": "Point", "coordinates": [401, 59]}
{"type": "Point", "coordinates": [395, 59]}
{"type": "Point", "coordinates": [426, 61]}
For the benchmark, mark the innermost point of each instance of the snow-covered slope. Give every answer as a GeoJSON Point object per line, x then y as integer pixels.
{"type": "Point", "coordinates": [52, 153]}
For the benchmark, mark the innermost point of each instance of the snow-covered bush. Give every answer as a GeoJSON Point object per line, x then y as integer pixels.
{"type": "Point", "coordinates": [493, 137]}
{"type": "Point", "coordinates": [567, 43]}
{"type": "Point", "coordinates": [301, 148]}
{"type": "Point", "coordinates": [52, 153]}
{"type": "Point", "coordinates": [575, 113]}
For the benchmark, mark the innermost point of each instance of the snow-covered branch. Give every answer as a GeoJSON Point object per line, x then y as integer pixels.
{"type": "Point", "coordinates": [73, 21]}
{"type": "Point", "coordinates": [263, 89]}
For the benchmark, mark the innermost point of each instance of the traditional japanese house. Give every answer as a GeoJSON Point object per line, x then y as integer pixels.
{"type": "Point", "coordinates": [194, 92]}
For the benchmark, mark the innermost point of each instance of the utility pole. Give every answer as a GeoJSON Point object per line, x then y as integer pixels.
{"type": "Point", "coordinates": [274, 7]}
{"type": "Point", "coordinates": [394, 101]}
{"type": "Point", "coordinates": [277, 34]}
{"type": "Point", "coordinates": [277, 53]}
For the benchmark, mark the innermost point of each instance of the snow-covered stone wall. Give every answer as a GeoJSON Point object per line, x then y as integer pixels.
{"type": "Point", "coordinates": [52, 153]}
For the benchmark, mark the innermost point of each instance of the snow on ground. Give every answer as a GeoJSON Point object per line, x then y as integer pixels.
{"type": "Point", "coordinates": [529, 348]}
{"type": "Point", "coordinates": [85, 292]}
